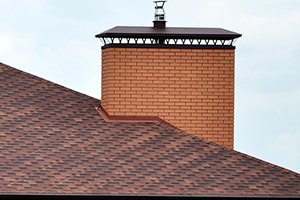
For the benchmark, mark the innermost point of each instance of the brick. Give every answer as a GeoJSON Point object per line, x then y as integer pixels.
{"type": "Point", "coordinates": [190, 88]}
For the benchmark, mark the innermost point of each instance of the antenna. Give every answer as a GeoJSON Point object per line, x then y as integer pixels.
{"type": "Point", "coordinates": [159, 15]}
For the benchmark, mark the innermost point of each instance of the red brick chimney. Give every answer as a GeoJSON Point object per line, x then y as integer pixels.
{"type": "Point", "coordinates": [184, 76]}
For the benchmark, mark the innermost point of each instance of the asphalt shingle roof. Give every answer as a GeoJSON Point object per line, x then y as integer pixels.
{"type": "Point", "coordinates": [53, 141]}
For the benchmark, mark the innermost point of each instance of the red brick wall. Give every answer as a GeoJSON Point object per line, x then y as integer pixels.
{"type": "Point", "coordinates": [193, 89]}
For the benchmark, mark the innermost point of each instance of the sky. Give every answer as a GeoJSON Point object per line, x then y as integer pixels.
{"type": "Point", "coordinates": [55, 40]}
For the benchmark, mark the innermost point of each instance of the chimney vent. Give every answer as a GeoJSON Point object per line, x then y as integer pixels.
{"type": "Point", "coordinates": [159, 15]}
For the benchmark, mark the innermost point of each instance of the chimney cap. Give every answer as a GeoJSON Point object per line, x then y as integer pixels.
{"type": "Point", "coordinates": [169, 32]}
{"type": "Point", "coordinates": [192, 37]}
{"type": "Point", "coordinates": [159, 14]}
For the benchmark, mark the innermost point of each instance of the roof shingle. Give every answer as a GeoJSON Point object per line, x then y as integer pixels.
{"type": "Point", "coordinates": [53, 141]}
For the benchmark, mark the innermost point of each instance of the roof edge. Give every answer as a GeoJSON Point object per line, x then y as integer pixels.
{"type": "Point", "coordinates": [36, 77]}
{"type": "Point", "coordinates": [159, 32]}
{"type": "Point", "coordinates": [137, 196]}
{"type": "Point", "coordinates": [244, 155]}
{"type": "Point", "coordinates": [266, 163]}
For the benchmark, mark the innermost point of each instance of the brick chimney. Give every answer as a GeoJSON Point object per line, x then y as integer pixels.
{"type": "Point", "coordinates": [184, 76]}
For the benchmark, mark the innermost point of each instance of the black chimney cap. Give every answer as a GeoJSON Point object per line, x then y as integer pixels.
{"type": "Point", "coordinates": [169, 33]}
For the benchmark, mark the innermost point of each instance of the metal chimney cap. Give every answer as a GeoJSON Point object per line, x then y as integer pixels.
{"type": "Point", "coordinates": [160, 1]}
{"type": "Point", "coordinates": [159, 15]}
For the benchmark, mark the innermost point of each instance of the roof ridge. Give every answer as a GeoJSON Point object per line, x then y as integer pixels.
{"type": "Point", "coordinates": [46, 81]}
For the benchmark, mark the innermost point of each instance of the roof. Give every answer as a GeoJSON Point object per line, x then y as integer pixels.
{"type": "Point", "coordinates": [53, 141]}
{"type": "Point", "coordinates": [169, 32]}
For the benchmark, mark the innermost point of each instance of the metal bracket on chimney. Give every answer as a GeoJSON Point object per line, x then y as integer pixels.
{"type": "Point", "coordinates": [168, 41]}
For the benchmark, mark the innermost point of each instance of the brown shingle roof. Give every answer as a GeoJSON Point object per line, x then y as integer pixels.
{"type": "Point", "coordinates": [53, 141]}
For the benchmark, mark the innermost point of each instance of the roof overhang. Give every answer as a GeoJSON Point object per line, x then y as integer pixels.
{"type": "Point", "coordinates": [169, 35]}
{"type": "Point", "coordinates": [188, 33]}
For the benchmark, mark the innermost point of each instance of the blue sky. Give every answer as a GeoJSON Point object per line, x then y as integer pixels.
{"type": "Point", "coordinates": [54, 39]}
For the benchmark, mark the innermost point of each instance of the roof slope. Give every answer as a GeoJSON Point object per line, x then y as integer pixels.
{"type": "Point", "coordinates": [53, 141]}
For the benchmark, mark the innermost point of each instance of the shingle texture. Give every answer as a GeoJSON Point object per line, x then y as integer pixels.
{"type": "Point", "coordinates": [53, 141]}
